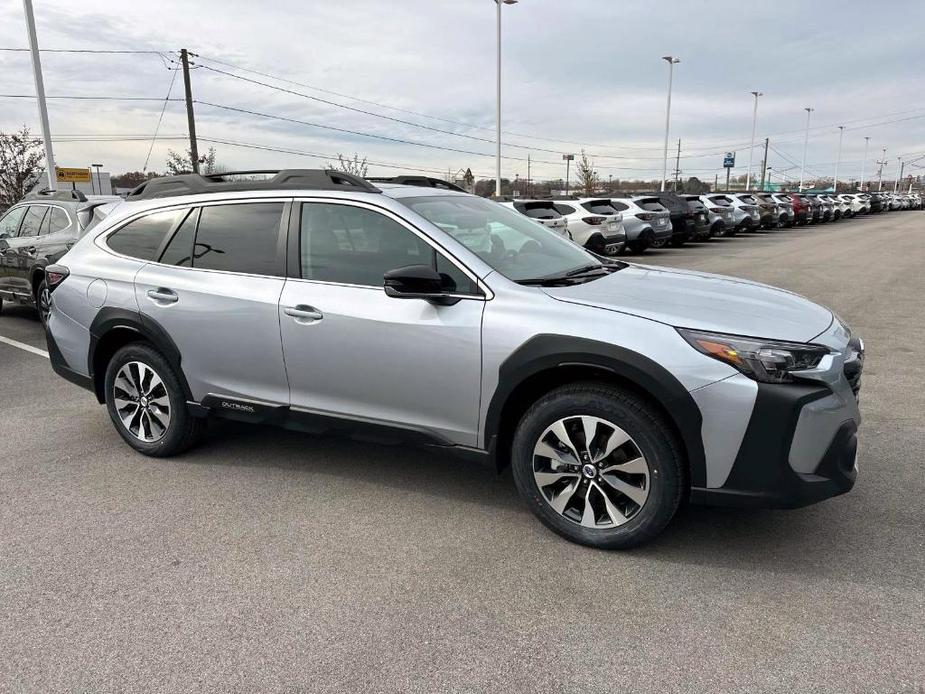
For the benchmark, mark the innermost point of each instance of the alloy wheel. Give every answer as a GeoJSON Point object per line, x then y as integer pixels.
{"type": "Point", "coordinates": [591, 472]}
{"type": "Point", "coordinates": [44, 304]}
{"type": "Point", "coordinates": [141, 401]}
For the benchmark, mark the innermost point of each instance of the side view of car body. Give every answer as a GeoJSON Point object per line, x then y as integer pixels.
{"type": "Point", "coordinates": [720, 214]}
{"type": "Point", "coordinates": [319, 301]}
{"type": "Point", "coordinates": [594, 224]}
{"type": "Point", "coordinates": [35, 233]}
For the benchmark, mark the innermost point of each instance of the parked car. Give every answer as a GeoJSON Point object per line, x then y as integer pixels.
{"type": "Point", "coordinates": [816, 212]}
{"type": "Point", "coordinates": [645, 221]}
{"type": "Point", "coordinates": [876, 203]}
{"type": "Point", "coordinates": [767, 210]}
{"type": "Point", "coordinates": [542, 211]}
{"type": "Point", "coordinates": [35, 233]}
{"type": "Point", "coordinates": [701, 226]}
{"type": "Point", "coordinates": [720, 216]}
{"type": "Point", "coordinates": [782, 211]}
{"type": "Point", "coordinates": [718, 201]}
{"type": "Point", "coordinates": [682, 217]}
{"type": "Point", "coordinates": [594, 224]}
{"type": "Point", "coordinates": [336, 305]}
{"type": "Point", "coordinates": [826, 209]}
{"type": "Point", "coordinates": [745, 212]}
{"type": "Point", "coordinates": [802, 214]}
{"type": "Point", "coordinates": [851, 205]}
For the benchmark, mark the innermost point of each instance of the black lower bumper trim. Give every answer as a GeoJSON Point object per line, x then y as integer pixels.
{"type": "Point", "coordinates": [59, 364]}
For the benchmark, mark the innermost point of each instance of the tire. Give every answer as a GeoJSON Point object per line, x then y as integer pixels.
{"type": "Point", "coordinates": [638, 247]}
{"type": "Point", "coordinates": [43, 303]}
{"type": "Point", "coordinates": [651, 461]}
{"type": "Point", "coordinates": [159, 433]}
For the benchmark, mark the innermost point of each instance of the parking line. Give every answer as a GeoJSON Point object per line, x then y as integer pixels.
{"type": "Point", "coordinates": [24, 346]}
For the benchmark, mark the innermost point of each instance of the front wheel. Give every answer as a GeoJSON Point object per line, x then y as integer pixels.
{"type": "Point", "coordinates": [598, 465]}
{"type": "Point", "coordinates": [146, 402]}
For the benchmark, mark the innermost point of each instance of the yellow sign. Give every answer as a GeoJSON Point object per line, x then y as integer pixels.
{"type": "Point", "coordinates": [64, 174]}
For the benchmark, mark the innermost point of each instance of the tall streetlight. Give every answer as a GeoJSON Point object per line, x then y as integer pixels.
{"type": "Point", "coordinates": [809, 112]}
{"type": "Point", "coordinates": [864, 161]}
{"type": "Point", "coordinates": [672, 61]}
{"type": "Point", "coordinates": [902, 166]}
{"type": "Point", "coordinates": [99, 179]}
{"type": "Point", "coordinates": [841, 134]}
{"type": "Point", "coordinates": [882, 161]}
{"type": "Point", "coordinates": [751, 149]}
{"type": "Point", "coordinates": [40, 94]}
{"type": "Point", "coordinates": [498, 111]}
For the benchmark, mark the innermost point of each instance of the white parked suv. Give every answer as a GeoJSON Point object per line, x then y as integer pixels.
{"type": "Point", "coordinates": [542, 211]}
{"type": "Point", "coordinates": [594, 224]}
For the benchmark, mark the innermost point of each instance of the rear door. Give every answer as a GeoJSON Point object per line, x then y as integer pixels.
{"type": "Point", "coordinates": [9, 230]}
{"type": "Point", "coordinates": [19, 252]}
{"type": "Point", "coordinates": [213, 284]}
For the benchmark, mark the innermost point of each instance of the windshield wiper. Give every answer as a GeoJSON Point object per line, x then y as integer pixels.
{"type": "Point", "coordinates": [585, 272]}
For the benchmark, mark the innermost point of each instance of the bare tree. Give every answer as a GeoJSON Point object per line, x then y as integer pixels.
{"type": "Point", "coordinates": [588, 179]}
{"type": "Point", "coordinates": [21, 165]}
{"type": "Point", "coordinates": [178, 164]}
{"type": "Point", "coordinates": [355, 166]}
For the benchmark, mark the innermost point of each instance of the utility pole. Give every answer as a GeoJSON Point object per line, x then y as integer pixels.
{"type": "Point", "coordinates": [841, 134]}
{"type": "Point", "coordinates": [902, 165]}
{"type": "Point", "coordinates": [751, 147]}
{"type": "Point", "coordinates": [568, 160]}
{"type": "Point", "coordinates": [40, 94]}
{"type": "Point", "coordinates": [715, 182]}
{"type": "Point", "coordinates": [864, 162]}
{"type": "Point", "coordinates": [764, 163]}
{"type": "Point", "coordinates": [190, 117]}
{"type": "Point", "coordinates": [677, 166]}
{"type": "Point", "coordinates": [728, 169]}
{"type": "Point", "coordinates": [529, 180]}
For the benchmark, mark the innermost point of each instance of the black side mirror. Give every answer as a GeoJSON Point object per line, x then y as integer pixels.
{"type": "Point", "coordinates": [417, 282]}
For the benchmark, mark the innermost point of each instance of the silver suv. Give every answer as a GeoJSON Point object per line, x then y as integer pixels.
{"type": "Point", "coordinates": [318, 301]}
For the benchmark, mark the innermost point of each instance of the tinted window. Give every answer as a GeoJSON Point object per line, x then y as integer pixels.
{"type": "Point", "coordinates": [651, 205]}
{"type": "Point", "coordinates": [142, 237]}
{"type": "Point", "coordinates": [32, 222]}
{"type": "Point", "coordinates": [240, 238]}
{"type": "Point", "coordinates": [179, 250]}
{"type": "Point", "coordinates": [620, 206]}
{"type": "Point", "coordinates": [538, 210]}
{"type": "Point", "coordinates": [599, 207]}
{"type": "Point", "coordinates": [9, 223]}
{"type": "Point", "coordinates": [353, 245]}
{"type": "Point", "coordinates": [59, 220]}
{"type": "Point", "coordinates": [720, 200]}
{"type": "Point", "coordinates": [748, 199]}
{"type": "Point", "coordinates": [565, 209]}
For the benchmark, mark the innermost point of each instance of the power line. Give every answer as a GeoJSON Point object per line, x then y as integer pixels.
{"type": "Point", "coordinates": [82, 50]}
{"type": "Point", "coordinates": [173, 78]}
{"type": "Point", "coordinates": [87, 98]}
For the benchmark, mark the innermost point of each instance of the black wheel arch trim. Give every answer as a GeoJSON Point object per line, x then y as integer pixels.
{"type": "Point", "coordinates": [545, 352]}
{"type": "Point", "coordinates": [111, 318]}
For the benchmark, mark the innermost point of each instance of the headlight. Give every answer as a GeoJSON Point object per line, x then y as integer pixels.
{"type": "Point", "coordinates": [767, 361]}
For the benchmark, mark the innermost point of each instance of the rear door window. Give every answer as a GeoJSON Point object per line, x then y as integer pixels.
{"type": "Point", "coordinates": [537, 210]}
{"type": "Point", "coordinates": [142, 237]}
{"type": "Point", "coordinates": [55, 220]}
{"type": "Point", "coordinates": [179, 250]}
{"type": "Point", "coordinates": [651, 205]}
{"type": "Point", "coordinates": [721, 200]}
{"type": "Point", "coordinates": [748, 199]}
{"type": "Point", "coordinates": [565, 209]}
{"type": "Point", "coordinates": [599, 207]}
{"type": "Point", "coordinates": [240, 238]}
{"type": "Point", "coordinates": [32, 222]}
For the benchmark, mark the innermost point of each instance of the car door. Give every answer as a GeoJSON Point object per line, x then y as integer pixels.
{"type": "Point", "coordinates": [213, 286]}
{"type": "Point", "coordinates": [58, 234]}
{"type": "Point", "coordinates": [19, 252]}
{"type": "Point", "coordinates": [9, 230]}
{"type": "Point", "coordinates": [352, 351]}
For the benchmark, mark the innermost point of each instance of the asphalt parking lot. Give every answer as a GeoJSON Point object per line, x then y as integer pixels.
{"type": "Point", "coordinates": [266, 560]}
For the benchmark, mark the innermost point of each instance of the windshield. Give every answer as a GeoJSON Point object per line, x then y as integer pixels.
{"type": "Point", "coordinates": [507, 241]}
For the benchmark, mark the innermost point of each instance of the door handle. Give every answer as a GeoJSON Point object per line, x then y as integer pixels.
{"type": "Point", "coordinates": [303, 314]}
{"type": "Point", "coordinates": [163, 296]}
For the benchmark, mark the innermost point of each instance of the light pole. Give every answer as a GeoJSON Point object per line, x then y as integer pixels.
{"type": "Point", "coordinates": [569, 158]}
{"type": "Point", "coordinates": [880, 171]}
{"type": "Point", "coordinates": [902, 165]}
{"type": "Point", "coordinates": [498, 106]}
{"type": "Point", "coordinates": [864, 161]}
{"type": "Point", "coordinates": [40, 94]}
{"type": "Point", "coordinates": [99, 179]}
{"type": "Point", "coordinates": [751, 148]}
{"type": "Point", "coordinates": [809, 112]}
{"type": "Point", "coordinates": [672, 61]}
{"type": "Point", "coordinates": [841, 134]}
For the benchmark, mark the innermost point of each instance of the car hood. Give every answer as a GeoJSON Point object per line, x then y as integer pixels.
{"type": "Point", "coordinates": [688, 299]}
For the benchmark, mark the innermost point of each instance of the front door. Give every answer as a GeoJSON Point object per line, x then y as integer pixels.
{"type": "Point", "coordinates": [215, 290]}
{"type": "Point", "coordinates": [353, 351]}
{"type": "Point", "coordinates": [18, 253]}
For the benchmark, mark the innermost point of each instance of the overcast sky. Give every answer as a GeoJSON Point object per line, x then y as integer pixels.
{"type": "Point", "coordinates": [577, 74]}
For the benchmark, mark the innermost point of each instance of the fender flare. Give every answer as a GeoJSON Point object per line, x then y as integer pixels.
{"type": "Point", "coordinates": [110, 318]}
{"type": "Point", "coordinates": [545, 352]}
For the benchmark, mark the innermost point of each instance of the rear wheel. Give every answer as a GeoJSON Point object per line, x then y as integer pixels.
{"type": "Point", "coordinates": [146, 402]}
{"type": "Point", "coordinates": [598, 465]}
{"type": "Point", "coordinates": [43, 302]}
{"type": "Point", "coordinates": [638, 246]}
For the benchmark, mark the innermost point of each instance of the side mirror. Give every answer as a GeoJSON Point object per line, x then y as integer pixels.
{"type": "Point", "coordinates": [4, 235]}
{"type": "Point", "coordinates": [417, 282]}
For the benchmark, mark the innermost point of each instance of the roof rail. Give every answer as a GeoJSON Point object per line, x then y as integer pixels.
{"type": "Point", "coordinates": [47, 193]}
{"type": "Point", "coordinates": [423, 181]}
{"type": "Point", "coordinates": [288, 179]}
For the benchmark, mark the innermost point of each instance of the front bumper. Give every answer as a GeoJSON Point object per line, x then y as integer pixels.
{"type": "Point", "coordinates": [763, 474]}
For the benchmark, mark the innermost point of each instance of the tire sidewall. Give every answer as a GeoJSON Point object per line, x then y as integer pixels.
{"type": "Point", "coordinates": [147, 355]}
{"type": "Point", "coordinates": [649, 433]}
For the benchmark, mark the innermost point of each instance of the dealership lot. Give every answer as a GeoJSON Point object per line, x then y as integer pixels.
{"type": "Point", "coordinates": [270, 560]}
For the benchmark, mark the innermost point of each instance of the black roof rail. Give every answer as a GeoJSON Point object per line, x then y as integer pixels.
{"type": "Point", "coordinates": [423, 181]}
{"type": "Point", "coordinates": [288, 179]}
{"type": "Point", "coordinates": [47, 193]}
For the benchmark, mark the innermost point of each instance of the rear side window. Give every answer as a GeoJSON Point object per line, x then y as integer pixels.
{"type": "Point", "coordinates": [748, 199]}
{"type": "Point", "coordinates": [619, 206]}
{"type": "Point", "coordinates": [599, 207]}
{"type": "Point", "coordinates": [651, 205]}
{"type": "Point", "coordinates": [9, 223]}
{"type": "Point", "coordinates": [32, 222]}
{"type": "Point", "coordinates": [55, 220]}
{"type": "Point", "coordinates": [565, 209]}
{"type": "Point", "coordinates": [537, 210]}
{"type": "Point", "coordinates": [240, 238]}
{"type": "Point", "coordinates": [142, 237]}
{"type": "Point", "coordinates": [720, 200]}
